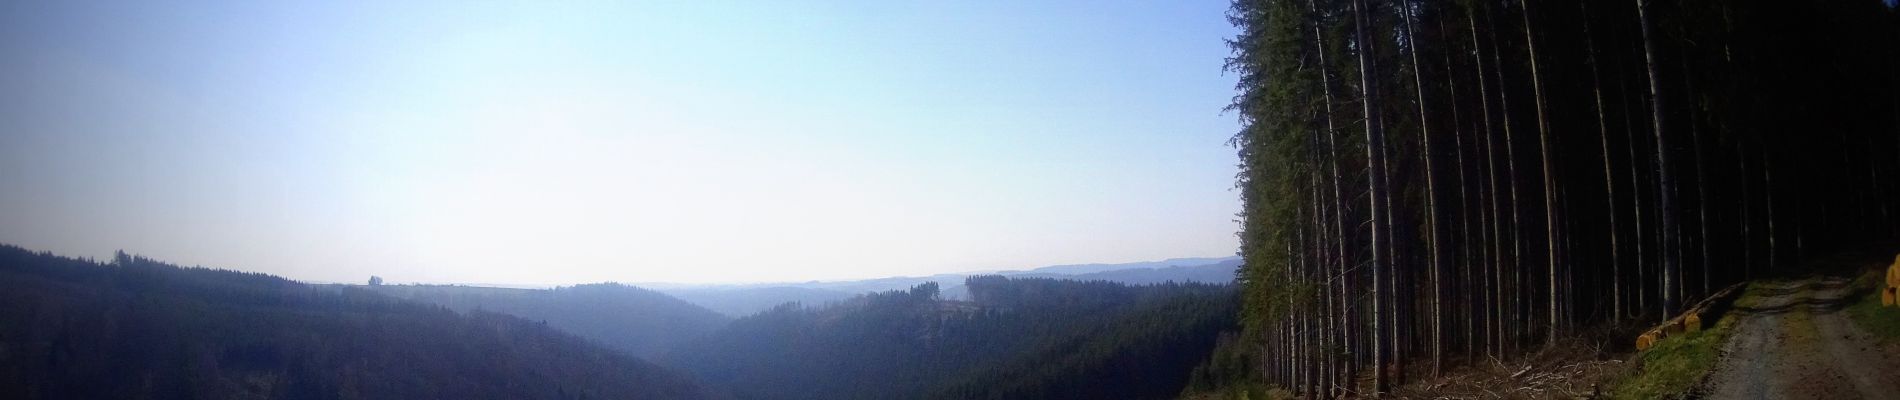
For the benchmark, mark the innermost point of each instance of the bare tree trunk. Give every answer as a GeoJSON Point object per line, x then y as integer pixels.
{"type": "Point", "coordinates": [1339, 199]}
{"type": "Point", "coordinates": [1668, 206]}
{"type": "Point", "coordinates": [1464, 192]}
{"type": "Point", "coordinates": [1494, 326]}
{"type": "Point", "coordinates": [1768, 189]}
{"type": "Point", "coordinates": [1748, 221]}
{"type": "Point", "coordinates": [1394, 327]}
{"type": "Point", "coordinates": [1701, 182]}
{"type": "Point", "coordinates": [1550, 177]}
{"type": "Point", "coordinates": [1609, 177]}
{"type": "Point", "coordinates": [1431, 194]}
{"type": "Point", "coordinates": [1375, 156]}
{"type": "Point", "coordinates": [1636, 186]}
{"type": "Point", "coordinates": [1303, 354]}
{"type": "Point", "coordinates": [1295, 337]}
{"type": "Point", "coordinates": [1510, 169]}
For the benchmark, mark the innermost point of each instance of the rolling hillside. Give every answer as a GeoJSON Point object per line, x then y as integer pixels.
{"type": "Point", "coordinates": [138, 328]}
{"type": "Point", "coordinates": [641, 322]}
{"type": "Point", "coordinates": [1018, 338]}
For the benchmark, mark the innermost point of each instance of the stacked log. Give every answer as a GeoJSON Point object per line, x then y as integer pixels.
{"type": "Point", "coordinates": [1890, 294]}
{"type": "Point", "coordinates": [1689, 321]}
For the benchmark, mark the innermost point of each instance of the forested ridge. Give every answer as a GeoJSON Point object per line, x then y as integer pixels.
{"type": "Point", "coordinates": [1427, 184]}
{"type": "Point", "coordinates": [640, 322]}
{"type": "Point", "coordinates": [134, 328]}
{"type": "Point", "coordinates": [748, 299]}
{"type": "Point", "coordinates": [1018, 338]}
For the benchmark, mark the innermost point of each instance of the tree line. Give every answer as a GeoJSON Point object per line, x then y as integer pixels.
{"type": "Point", "coordinates": [1430, 183]}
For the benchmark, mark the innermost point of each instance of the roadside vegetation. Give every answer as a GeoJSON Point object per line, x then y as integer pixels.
{"type": "Point", "coordinates": [1882, 321]}
{"type": "Point", "coordinates": [1677, 363]}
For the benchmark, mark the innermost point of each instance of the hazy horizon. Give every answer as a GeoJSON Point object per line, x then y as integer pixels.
{"type": "Point", "coordinates": [674, 285]}
{"type": "Point", "coordinates": [651, 142]}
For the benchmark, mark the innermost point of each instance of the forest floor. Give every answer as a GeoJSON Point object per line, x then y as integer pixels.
{"type": "Point", "coordinates": [1796, 340]}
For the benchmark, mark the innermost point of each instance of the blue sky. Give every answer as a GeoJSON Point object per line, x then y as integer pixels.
{"type": "Point", "coordinates": [564, 142]}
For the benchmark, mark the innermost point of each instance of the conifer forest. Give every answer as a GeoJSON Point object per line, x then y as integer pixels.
{"type": "Point", "coordinates": [1436, 183]}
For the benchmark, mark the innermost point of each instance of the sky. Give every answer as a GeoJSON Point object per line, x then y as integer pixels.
{"type": "Point", "coordinates": [587, 141]}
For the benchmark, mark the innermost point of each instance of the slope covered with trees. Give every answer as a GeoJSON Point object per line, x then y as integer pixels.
{"type": "Point", "coordinates": [641, 322]}
{"type": "Point", "coordinates": [137, 328]}
{"type": "Point", "coordinates": [1142, 351]}
{"type": "Point", "coordinates": [1431, 183]}
{"type": "Point", "coordinates": [744, 301]}
{"type": "Point", "coordinates": [1019, 338]}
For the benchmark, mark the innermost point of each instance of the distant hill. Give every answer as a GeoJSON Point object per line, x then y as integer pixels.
{"type": "Point", "coordinates": [641, 322]}
{"type": "Point", "coordinates": [1019, 338]}
{"type": "Point", "coordinates": [1079, 269]}
{"type": "Point", "coordinates": [1217, 272]}
{"type": "Point", "coordinates": [743, 300]}
{"type": "Point", "coordinates": [137, 328]}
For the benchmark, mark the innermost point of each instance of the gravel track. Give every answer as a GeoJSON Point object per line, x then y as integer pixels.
{"type": "Point", "coordinates": [1792, 342]}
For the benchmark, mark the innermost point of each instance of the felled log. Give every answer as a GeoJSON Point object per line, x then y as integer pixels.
{"type": "Point", "coordinates": [1689, 321]}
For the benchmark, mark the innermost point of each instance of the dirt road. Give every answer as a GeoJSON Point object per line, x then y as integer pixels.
{"type": "Point", "coordinates": [1792, 342]}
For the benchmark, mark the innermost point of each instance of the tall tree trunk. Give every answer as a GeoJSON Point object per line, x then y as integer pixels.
{"type": "Point", "coordinates": [1339, 198]}
{"type": "Point", "coordinates": [1464, 193]}
{"type": "Point", "coordinates": [1375, 156]}
{"type": "Point", "coordinates": [1550, 177]}
{"type": "Point", "coordinates": [1494, 322]}
{"type": "Point", "coordinates": [1636, 187]}
{"type": "Point", "coordinates": [1609, 176]}
{"type": "Point", "coordinates": [1431, 193]}
{"type": "Point", "coordinates": [1701, 179]}
{"type": "Point", "coordinates": [1768, 190]}
{"type": "Point", "coordinates": [1664, 185]}
{"type": "Point", "coordinates": [1748, 221]}
{"type": "Point", "coordinates": [1515, 303]}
